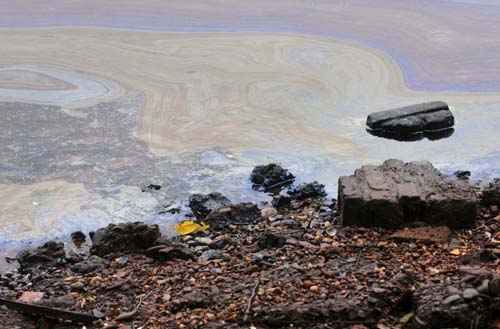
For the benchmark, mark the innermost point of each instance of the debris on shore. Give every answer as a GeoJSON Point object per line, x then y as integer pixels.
{"type": "Point", "coordinates": [292, 266]}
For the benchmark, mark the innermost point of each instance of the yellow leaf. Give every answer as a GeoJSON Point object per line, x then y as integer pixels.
{"type": "Point", "coordinates": [189, 226]}
{"type": "Point", "coordinates": [455, 252]}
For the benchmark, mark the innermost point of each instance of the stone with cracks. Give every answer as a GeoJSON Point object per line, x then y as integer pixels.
{"type": "Point", "coordinates": [396, 193]}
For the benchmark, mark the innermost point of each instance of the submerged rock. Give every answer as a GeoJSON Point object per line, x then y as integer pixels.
{"type": "Point", "coordinates": [398, 193]}
{"type": "Point", "coordinates": [48, 254]}
{"type": "Point", "coordinates": [236, 214]}
{"type": "Point", "coordinates": [124, 238]}
{"type": "Point", "coordinates": [412, 119]}
{"type": "Point", "coordinates": [271, 178]}
{"type": "Point", "coordinates": [202, 204]}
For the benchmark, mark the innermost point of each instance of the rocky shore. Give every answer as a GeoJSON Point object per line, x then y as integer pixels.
{"type": "Point", "coordinates": [403, 247]}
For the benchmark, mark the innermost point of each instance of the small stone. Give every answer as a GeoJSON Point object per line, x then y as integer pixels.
{"type": "Point", "coordinates": [204, 240]}
{"type": "Point", "coordinates": [268, 212]}
{"type": "Point", "coordinates": [77, 286]}
{"type": "Point", "coordinates": [453, 291]}
{"type": "Point", "coordinates": [210, 255]}
{"type": "Point", "coordinates": [470, 293]}
{"type": "Point", "coordinates": [314, 288]}
{"type": "Point", "coordinates": [484, 287]}
{"type": "Point", "coordinates": [451, 299]}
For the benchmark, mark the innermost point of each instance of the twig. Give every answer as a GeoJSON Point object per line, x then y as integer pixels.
{"type": "Point", "coordinates": [251, 300]}
{"type": "Point", "coordinates": [48, 312]}
{"type": "Point", "coordinates": [358, 257]}
{"type": "Point", "coordinates": [128, 315]}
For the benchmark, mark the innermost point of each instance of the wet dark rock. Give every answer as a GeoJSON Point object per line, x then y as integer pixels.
{"type": "Point", "coordinates": [48, 254]}
{"type": "Point", "coordinates": [202, 204]}
{"type": "Point", "coordinates": [462, 174]}
{"type": "Point", "coordinates": [305, 191]}
{"type": "Point", "coordinates": [78, 238]}
{"type": "Point", "coordinates": [124, 238]}
{"type": "Point", "coordinates": [151, 187]}
{"type": "Point", "coordinates": [281, 202]}
{"type": "Point", "coordinates": [164, 253]}
{"type": "Point", "coordinates": [237, 214]}
{"type": "Point", "coordinates": [270, 241]}
{"type": "Point", "coordinates": [78, 248]}
{"type": "Point", "coordinates": [93, 263]}
{"type": "Point", "coordinates": [397, 193]}
{"type": "Point", "coordinates": [271, 178]}
{"type": "Point", "coordinates": [490, 195]}
{"type": "Point", "coordinates": [412, 119]}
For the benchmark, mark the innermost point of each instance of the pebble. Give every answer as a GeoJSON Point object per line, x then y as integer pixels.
{"type": "Point", "coordinates": [268, 212]}
{"type": "Point", "coordinates": [314, 288]}
{"type": "Point", "coordinates": [453, 291]}
{"type": "Point", "coordinates": [451, 299]}
{"type": "Point", "coordinates": [484, 287]}
{"type": "Point", "coordinates": [204, 240]}
{"type": "Point", "coordinates": [210, 254]}
{"type": "Point", "coordinates": [470, 293]}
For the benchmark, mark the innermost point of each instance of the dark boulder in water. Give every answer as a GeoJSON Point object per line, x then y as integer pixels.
{"type": "Point", "coordinates": [397, 193]}
{"type": "Point", "coordinates": [124, 238]}
{"type": "Point", "coordinates": [414, 119]}
{"type": "Point", "coordinates": [202, 204]}
{"type": "Point", "coordinates": [271, 178]}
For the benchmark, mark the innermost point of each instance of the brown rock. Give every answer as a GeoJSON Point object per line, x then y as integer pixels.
{"type": "Point", "coordinates": [31, 297]}
{"type": "Point", "coordinates": [438, 234]}
{"type": "Point", "coordinates": [396, 193]}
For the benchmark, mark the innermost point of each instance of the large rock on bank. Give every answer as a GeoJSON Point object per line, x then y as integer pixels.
{"type": "Point", "coordinates": [412, 119]}
{"type": "Point", "coordinates": [124, 238]}
{"type": "Point", "coordinates": [397, 193]}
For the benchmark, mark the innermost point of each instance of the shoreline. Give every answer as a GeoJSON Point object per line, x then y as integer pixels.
{"type": "Point", "coordinates": [281, 265]}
